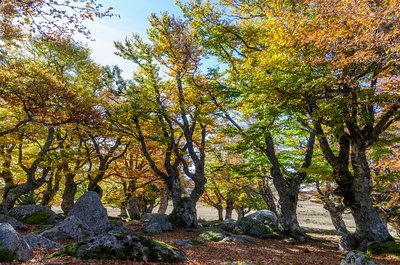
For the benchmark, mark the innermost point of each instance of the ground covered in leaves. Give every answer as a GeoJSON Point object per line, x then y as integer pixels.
{"type": "Point", "coordinates": [321, 249]}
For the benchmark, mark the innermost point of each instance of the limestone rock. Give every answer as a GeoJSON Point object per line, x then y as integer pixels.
{"type": "Point", "coordinates": [123, 247]}
{"type": "Point", "coordinates": [89, 209]}
{"type": "Point", "coordinates": [17, 225]}
{"type": "Point", "coordinates": [154, 228]}
{"type": "Point", "coordinates": [13, 245]}
{"type": "Point", "coordinates": [261, 224]}
{"type": "Point", "coordinates": [359, 258]}
{"type": "Point", "coordinates": [38, 241]}
{"type": "Point", "coordinates": [71, 228]}
{"type": "Point", "coordinates": [157, 222]}
{"type": "Point", "coordinates": [34, 214]}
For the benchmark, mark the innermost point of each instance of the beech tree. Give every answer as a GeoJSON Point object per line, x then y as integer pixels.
{"type": "Point", "coordinates": [168, 106]}
{"type": "Point", "coordinates": [334, 61]}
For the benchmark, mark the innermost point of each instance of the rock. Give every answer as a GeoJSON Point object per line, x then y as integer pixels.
{"type": "Point", "coordinates": [162, 220]}
{"type": "Point", "coordinates": [146, 217]}
{"type": "Point", "coordinates": [212, 235]}
{"type": "Point", "coordinates": [89, 209]}
{"type": "Point", "coordinates": [71, 228]}
{"type": "Point", "coordinates": [17, 225]}
{"type": "Point", "coordinates": [348, 242]}
{"type": "Point", "coordinates": [239, 239]}
{"type": "Point", "coordinates": [38, 241]}
{"type": "Point", "coordinates": [116, 227]}
{"type": "Point", "coordinates": [261, 224]}
{"type": "Point", "coordinates": [12, 245]}
{"type": "Point", "coordinates": [153, 228]}
{"type": "Point", "coordinates": [33, 214]}
{"type": "Point", "coordinates": [359, 258]}
{"type": "Point", "coordinates": [228, 225]}
{"type": "Point", "coordinates": [184, 243]}
{"type": "Point", "coordinates": [123, 247]}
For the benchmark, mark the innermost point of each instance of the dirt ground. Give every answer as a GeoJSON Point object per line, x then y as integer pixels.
{"type": "Point", "coordinates": [322, 249]}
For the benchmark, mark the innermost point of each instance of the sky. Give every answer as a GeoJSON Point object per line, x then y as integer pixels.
{"type": "Point", "coordinates": [133, 19]}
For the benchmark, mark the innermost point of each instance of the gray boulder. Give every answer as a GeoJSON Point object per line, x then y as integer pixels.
{"type": "Point", "coordinates": [261, 224]}
{"type": "Point", "coordinates": [188, 244]}
{"type": "Point", "coordinates": [359, 258]}
{"type": "Point", "coordinates": [89, 209]}
{"type": "Point", "coordinates": [13, 244]}
{"type": "Point", "coordinates": [161, 219]}
{"type": "Point", "coordinates": [228, 225]}
{"type": "Point", "coordinates": [239, 239]}
{"type": "Point", "coordinates": [71, 228]}
{"type": "Point", "coordinates": [34, 214]}
{"type": "Point", "coordinates": [123, 247]}
{"type": "Point", "coordinates": [154, 228]}
{"type": "Point", "coordinates": [38, 241]}
{"type": "Point", "coordinates": [13, 222]}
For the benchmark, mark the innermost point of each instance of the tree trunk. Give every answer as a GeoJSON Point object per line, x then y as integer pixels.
{"type": "Point", "coordinates": [220, 210]}
{"type": "Point", "coordinates": [69, 193]}
{"type": "Point", "coordinates": [229, 209]}
{"type": "Point", "coordinates": [14, 193]}
{"type": "Point", "coordinates": [132, 207]}
{"type": "Point", "coordinates": [287, 211]}
{"type": "Point", "coordinates": [51, 190]}
{"type": "Point", "coordinates": [336, 214]}
{"type": "Point", "coordinates": [369, 226]}
{"type": "Point", "coordinates": [163, 200]}
{"type": "Point", "coordinates": [184, 214]}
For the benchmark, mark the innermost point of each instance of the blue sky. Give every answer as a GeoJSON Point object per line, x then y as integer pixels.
{"type": "Point", "coordinates": [134, 14]}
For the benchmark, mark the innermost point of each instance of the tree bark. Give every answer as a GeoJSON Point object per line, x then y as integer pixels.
{"type": "Point", "coordinates": [163, 200]}
{"type": "Point", "coordinates": [220, 210]}
{"type": "Point", "coordinates": [369, 226]}
{"type": "Point", "coordinates": [229, 209]}
{"type": "Point", "coordinates": [70, 190]}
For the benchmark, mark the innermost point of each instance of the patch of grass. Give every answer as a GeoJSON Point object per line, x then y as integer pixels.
{"type": "Point", "coordinates": [384, 248]}
{"type": "Point", "coordinates": [38, 217]}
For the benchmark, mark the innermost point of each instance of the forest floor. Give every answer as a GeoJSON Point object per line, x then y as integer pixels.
{"type": "Point", "coordinates": [321, 249]}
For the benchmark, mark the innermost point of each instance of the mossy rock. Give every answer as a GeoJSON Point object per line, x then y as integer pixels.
{"type": "Point", "coordinates": [7, 255]}
{"type": "Point", "coordinates": [212, 235]}
{"type": "Point", "coordinates": [384, 248]}
{"type": "Point", "coordinates": [38, 217]}
{"type": "Point", "coordinates": [128, 247]}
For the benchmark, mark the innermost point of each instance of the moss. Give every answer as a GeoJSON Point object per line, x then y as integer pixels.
{"type": "Point", "coordinates": [38, 217]}
{"type": "Point", "coordinates": [387, 247]}
{"type": "Point", "coordinates": [197, 242]}
{"type": "Point", "coordinates": [69, 250]}
{"type": "Point", "coordinates": [212, 236]}
{"type": "Point", "coordinates": [7, 255]}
